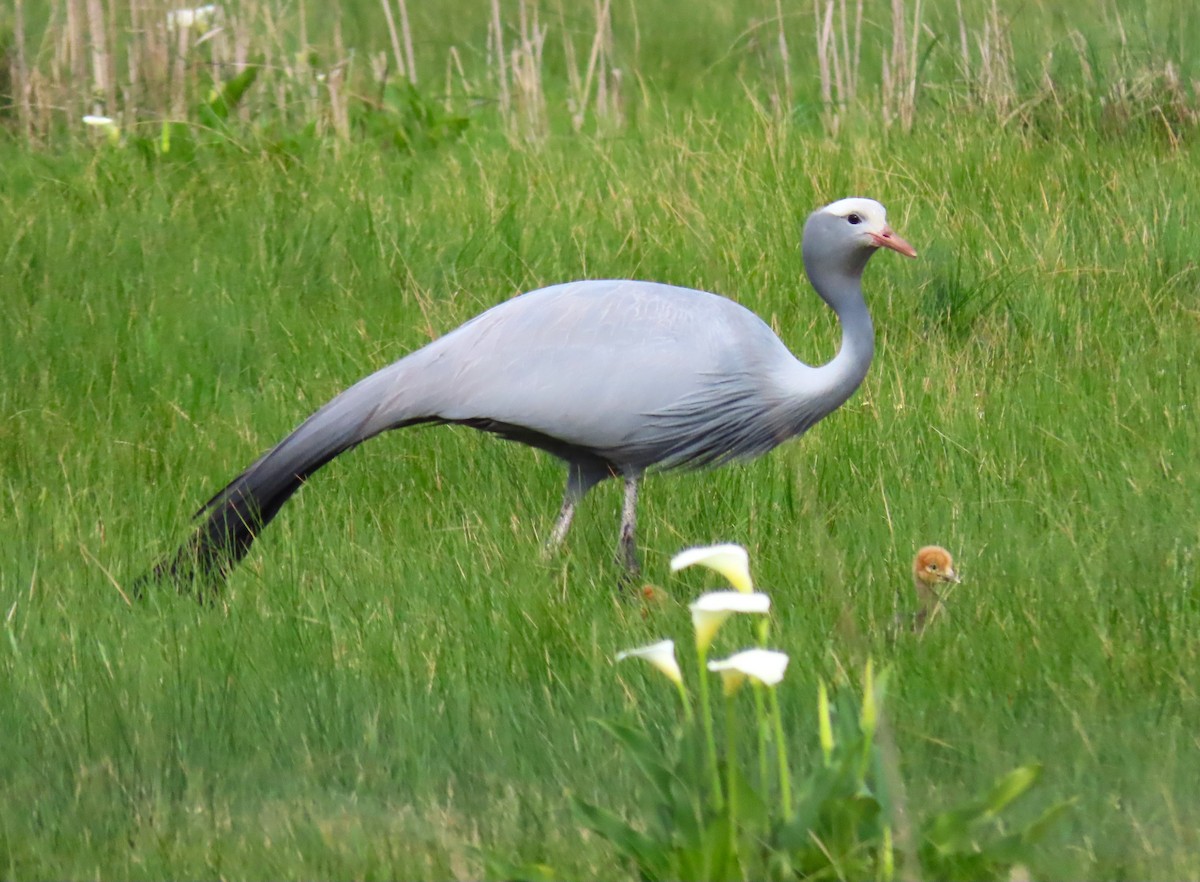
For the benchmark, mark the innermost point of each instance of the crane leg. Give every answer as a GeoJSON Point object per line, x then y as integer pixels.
{"type": "Point", "coordinates": [563, 523]}
{"type": "Point", "coordinates": [581, 477]}
{"type": "Point", "coordinates": [627, 544]}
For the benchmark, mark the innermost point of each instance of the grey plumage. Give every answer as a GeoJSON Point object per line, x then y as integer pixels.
{"type": "Point", "coordinates": [613, 377]}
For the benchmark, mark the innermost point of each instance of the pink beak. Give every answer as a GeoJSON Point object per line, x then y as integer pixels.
{"type": "Point", "coordinates": [888, 239]}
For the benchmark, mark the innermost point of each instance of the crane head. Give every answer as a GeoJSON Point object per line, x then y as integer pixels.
{"type": "Point", "coordinates": [865, 223]}
{"type": "Point", "coordinates": [934, 566]}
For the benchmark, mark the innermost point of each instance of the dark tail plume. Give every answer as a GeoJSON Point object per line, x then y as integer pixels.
{"type": "Point", "coordinates": [233, 519]}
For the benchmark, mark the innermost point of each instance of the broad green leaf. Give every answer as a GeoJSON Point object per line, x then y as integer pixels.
{"type": "Point", "coordinates": [950, 831]}
{"type": "Point", "coordinates": [214, 112]}
{"type": "Point", "coordinates": [648, 855]}
{"type": "Point", "coordinates": [1011, 787]}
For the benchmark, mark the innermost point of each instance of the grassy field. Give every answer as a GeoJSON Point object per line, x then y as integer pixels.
{"type": "Point", "coordinates": [396, 684]}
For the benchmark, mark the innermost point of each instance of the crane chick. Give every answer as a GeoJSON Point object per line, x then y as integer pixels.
{"type": "Point", "coordinates": [932, 568]}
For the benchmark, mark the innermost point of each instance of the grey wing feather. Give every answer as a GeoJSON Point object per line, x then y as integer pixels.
{"type": "Point", "coordinates": [725, 419]}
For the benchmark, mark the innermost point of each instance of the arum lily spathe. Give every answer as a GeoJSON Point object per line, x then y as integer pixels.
{"type": "Point", "coordinates": [661, 655]}
{"type": "Point", "coordinates": [730, 560]}
{"type": "Point", "coordinates": [106, 125]}
{"type": "Point", "coordinates": [197, 17]}
{"type": "Point", "coordinates": [766, 666]}
{"type": "Point", "coordinates": [711, 610]}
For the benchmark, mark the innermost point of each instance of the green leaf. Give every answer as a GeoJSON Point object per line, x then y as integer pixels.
{"type": "Point", "coordinates": [176, 142]}
{"type": "Point", "coordinates": [813, 795]}
{"type": "Point", "coordinates": [953, 830]}
{"type": "Point", "coordinates": [712, 857]}
{"type": "Point", "coordinates": [649, 856]}
{"type": "Point", "coordinates": [236, 88]}
{"type": "Point", "coordinates": [1036, 831]}
{"type": "Point", "coordinates": [1011, 787]}
{"type": "Point", "coordinates": [646, 755]}
{"type": "Point", "coordinates": [222, 101]}
{"type": "Point", "coordinates": [498, 868]}
{"type": "Point", "coordinates": [950, 831]}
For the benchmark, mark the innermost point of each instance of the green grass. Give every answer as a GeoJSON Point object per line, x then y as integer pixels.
{"type": "Point", "coordinates": [396, 683]}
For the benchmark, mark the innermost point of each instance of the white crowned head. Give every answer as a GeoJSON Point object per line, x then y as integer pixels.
{"type": "Point", "coordinates": [842, 236]}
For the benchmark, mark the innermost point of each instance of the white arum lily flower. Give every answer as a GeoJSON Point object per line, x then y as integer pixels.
{"type": "Point", "coordinates": [763, 665]}
{"type": "Point", "coordinates": [198, 17]}
{"type": "Point", "coordinates": [711, 611]}
{"type": "Point", "coordinates": [731, 561]}
{"type": "Point", "coordinates": [661, 655]}
{"type": "Point", "coordinates": [106, 125]}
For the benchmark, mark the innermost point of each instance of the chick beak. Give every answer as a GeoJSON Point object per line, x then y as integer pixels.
{"type": "Point", "coordinates": [886, 238]}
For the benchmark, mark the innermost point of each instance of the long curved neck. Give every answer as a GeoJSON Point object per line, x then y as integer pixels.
{"type": "Point", "coordinates": [837, 380]}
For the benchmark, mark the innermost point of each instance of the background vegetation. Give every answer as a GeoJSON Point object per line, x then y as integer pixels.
{"type": "Point", "coordinates": [396, 684]}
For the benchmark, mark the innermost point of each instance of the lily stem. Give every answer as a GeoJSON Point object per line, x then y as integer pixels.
{"type": "Point", "coordinates": [709, 736]}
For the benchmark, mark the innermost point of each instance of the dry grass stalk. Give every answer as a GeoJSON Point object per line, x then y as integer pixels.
{"type": "Point", "coordinates": [993, 82]}
{"type": "Point", "coordinates": [496, 53]}
{"type": "Point", "coordinates": [20, 73]}
{"type": "Point", "coordinates": [600, 74]}
{"type": "Point", "coordinates": [454, 65]}
{"type": "Point", "coordinates": [130, 97]}
{"type": "Point", "coordinates": [784, 59]}
{"type": "Point", "coordinates": [335, 80]}
{"type": "Point", "coordinates": [526, 67]}
{"type": "Point", "coordinates": [900, 68]}
{"type": "Point", "coordinates": [608, 87]}
{"type": "Point", "coordinates": [178, 79]}
{"type": "Point", "coordinates": [306, 77]}
{"type": "Point", "coordinates": [825, 64]}
{"type": "Point", "coordinates": [149, 56]}
{"type": "Point", "coordinates": [394, 36]}
{"type": "Point", "coordinates": [852, 52]}
{"type": "Point", "coordinates": [576, 100]}
{"type": "Point", "coordinates": [406, 30]}
{"type": "Point", "coordinates": [996, 62]}
{"type": "Point", "coordinates": [964, 47]}
{"type": "Point", "coordinates": [837, 65]}
{"type": "Point", "coordinates": [104, 96]}
{"type": "Point", "coordinates": [276, 61]}
{"type": "Point", "coordinates": [74, 50]}
{"type": "Point", "coordinates": [242, 38]}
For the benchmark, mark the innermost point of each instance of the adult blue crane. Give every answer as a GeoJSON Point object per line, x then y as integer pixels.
{"type": "Point", "coordinates": [612, 377]}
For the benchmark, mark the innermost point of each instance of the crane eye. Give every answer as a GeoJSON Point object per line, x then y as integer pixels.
{"type": "Point", "coordinates": [933, 568]}
{"type": "Point", "coordinates": [854, 219]}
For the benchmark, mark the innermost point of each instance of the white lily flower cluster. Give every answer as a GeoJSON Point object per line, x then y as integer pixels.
{"type": "Point", "coordinates": [709, 612]}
